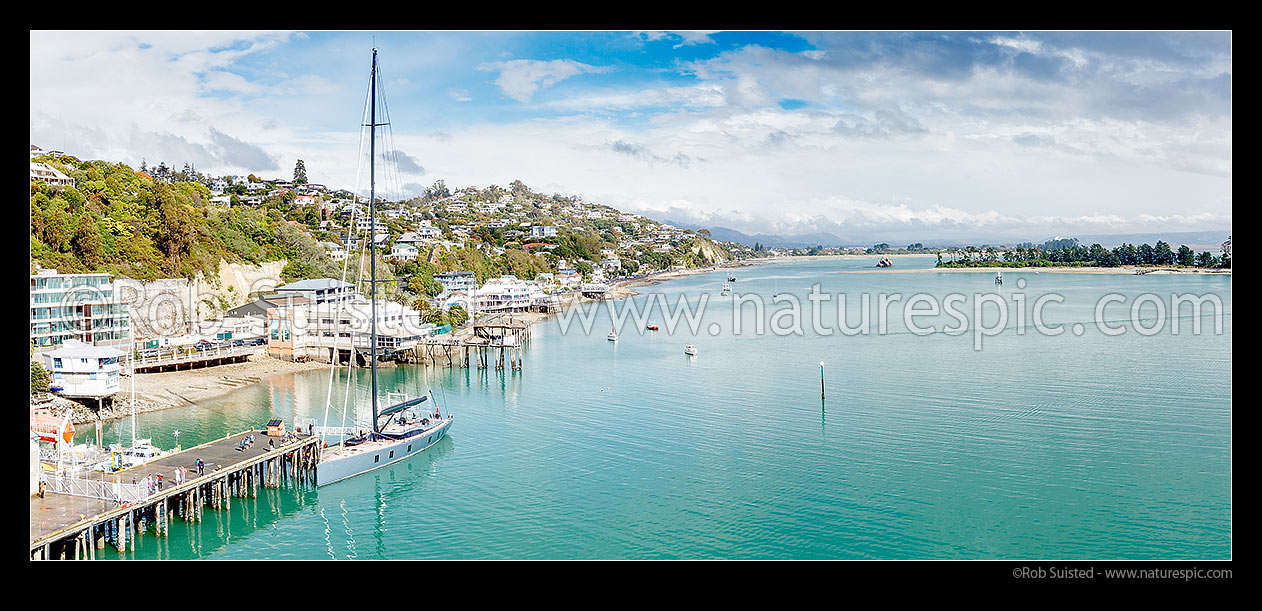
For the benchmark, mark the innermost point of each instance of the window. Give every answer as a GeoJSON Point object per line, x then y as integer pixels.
{"type": "Point", "coordinates": [377, 458]}
{"type": "Point", "coordinates": [56, 363]}
{"type": "Point", "coordinates": [409, 447]}
{"type": "Point", "coordinates": [391, 453]}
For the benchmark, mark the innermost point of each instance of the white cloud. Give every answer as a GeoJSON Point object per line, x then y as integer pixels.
{"type": "Point", "coordinates": [520, 78]}
{"type": "Point", "coordinates": [879, 145]}
{"type": "Point", "coordinates": [694, 38]}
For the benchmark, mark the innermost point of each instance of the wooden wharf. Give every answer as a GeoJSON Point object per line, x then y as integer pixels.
{"type": "Point", "coordinates": [72, 526]}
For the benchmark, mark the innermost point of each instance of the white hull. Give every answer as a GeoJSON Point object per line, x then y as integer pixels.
{"type": "Point", "coordinates": [343, 462]}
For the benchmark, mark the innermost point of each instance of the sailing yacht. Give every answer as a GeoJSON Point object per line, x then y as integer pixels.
{"type": "Point", "coordinates": [613, 335]}
{"type": "Point", "coordinates": [140, 451]}
{"type": "Point", "coordinates": [401, 430]}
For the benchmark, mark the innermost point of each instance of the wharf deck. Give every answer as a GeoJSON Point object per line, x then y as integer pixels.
{"type": "Point", "coordinates": [59, 515]}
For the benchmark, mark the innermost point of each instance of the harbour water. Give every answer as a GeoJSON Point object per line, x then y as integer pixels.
{"type": "Point", "coordinates": [1035, 446]}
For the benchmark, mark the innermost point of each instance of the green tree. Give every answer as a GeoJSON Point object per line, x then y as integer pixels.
{"type": "Point", "coordinates": [87, 243]}
{"type": "Point", "coordinates": [1163, 255]}
{"type": "Point", "coordinates": [458, 315]}
{"type": "Point", "coordinates": [1186, 256]}
{"type": "Point", "coordinates": [300, 173]}
{"type": "Point", "coordinates": [39, 378]}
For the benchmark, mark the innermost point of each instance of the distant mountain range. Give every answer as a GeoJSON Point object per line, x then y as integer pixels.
{"type": "Point", "coordinates": [1198, 240]}
{"type": "Point", "coordinates": [806, 240]}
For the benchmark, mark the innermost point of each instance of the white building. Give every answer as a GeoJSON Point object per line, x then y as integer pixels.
{"type": "Point", "coordinates": [543, 231]}
{"type": "Point", "coordinates": [80, 370]}
{"type": "Point", "coordinates": [336, 251]}
{"type": "Point", "coordinates": [404, 252]}
{"type": "Point", "coordinates": [49, 174]}
{"type": "Point", "coordinates": [362, 225]}
{"type": "Point", "coordinates": [76, 306]}
{"type": "Point", "coordinates": [317, 329]}
{"type": "Point", "coordinates": [506, 294]}
{"type": "Point", "coordinates": [452, 282]}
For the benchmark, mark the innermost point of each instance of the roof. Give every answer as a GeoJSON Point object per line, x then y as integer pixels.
{"type": "Point", "coordinates": [314, 284]}
{"type": "Point", "coordinates": [73, 348]}
{"type": "Point", "coordinates": [259, 307]}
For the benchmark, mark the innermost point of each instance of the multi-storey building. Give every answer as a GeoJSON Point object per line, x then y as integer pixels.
{"type": "Point", "coordinates": [76, 306]}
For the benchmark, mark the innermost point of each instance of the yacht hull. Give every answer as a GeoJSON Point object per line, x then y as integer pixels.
{"type": "Point", "coordinates": [349, 462]}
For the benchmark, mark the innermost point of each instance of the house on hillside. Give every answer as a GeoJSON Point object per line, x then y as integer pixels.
{"type": "Point", "coordinates": [50, 175]}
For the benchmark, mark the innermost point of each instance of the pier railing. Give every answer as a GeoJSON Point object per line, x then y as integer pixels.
{"type": "Point", "coordinates": [326, 432]}
{"type": "Point", "coordinates": [169, 356]}
{"type": "Point", "coordinates": [97, 489]}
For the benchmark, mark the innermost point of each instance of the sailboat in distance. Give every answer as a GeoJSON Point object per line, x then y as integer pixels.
{"type": "Point", "coordinates": [399, 431]}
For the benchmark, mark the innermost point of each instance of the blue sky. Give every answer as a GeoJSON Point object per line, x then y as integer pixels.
{"type": "Point", "coordinates": [896, 135]}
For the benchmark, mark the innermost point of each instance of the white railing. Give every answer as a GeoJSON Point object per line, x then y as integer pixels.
{"type": "Point", "coordinates": [166, 357]}
{"type": "Point", "coordinates": [325, 432]}
{"type": "Point", "coordinates": [116, 491]}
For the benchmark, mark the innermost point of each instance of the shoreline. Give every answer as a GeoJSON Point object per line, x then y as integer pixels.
{"type": "Point", "coordinates": [620, 289]}
{"type": "Point", "coordinates": [166, 390]}
{"type": "Point", "coordinates": [1129, 270]}
{"type": "Point", "coordinates": [169, 389]}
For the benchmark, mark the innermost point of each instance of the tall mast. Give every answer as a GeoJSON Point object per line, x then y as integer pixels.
{"type": "Point", "coordinates": [372, 223]}
{"type": "Point", "coordinates": [131, 360]}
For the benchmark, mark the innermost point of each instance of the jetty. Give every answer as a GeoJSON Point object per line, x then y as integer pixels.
{"type": "Point", "coordinates": [81, 514]}
{"type": "Point", "coordinates": [172, 360]}
{"type": "Point", "coordinates": [499, 337]}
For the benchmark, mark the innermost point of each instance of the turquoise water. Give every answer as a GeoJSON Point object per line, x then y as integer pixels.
{"type": "Point", "coordinates": [1035, 446]}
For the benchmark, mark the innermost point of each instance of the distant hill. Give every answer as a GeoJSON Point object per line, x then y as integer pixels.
{"type": "Point", "coordinates": [769, 240]}
{"type": "Point", "coordinates": [1198, 240]}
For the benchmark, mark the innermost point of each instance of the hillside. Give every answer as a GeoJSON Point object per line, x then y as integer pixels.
{"type": "Point", "coordinates": [124, 222]}
{"type": "Point", "coordinates": [129, 224]}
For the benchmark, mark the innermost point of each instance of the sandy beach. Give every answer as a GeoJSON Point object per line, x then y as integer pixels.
{"type": "Point", "coordinates": [158, 391]}
{"type": "Point", "coordinates": [625, 288]}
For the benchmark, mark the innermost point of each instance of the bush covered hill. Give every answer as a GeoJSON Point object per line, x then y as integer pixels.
{"type": "Point", "coordinates": [123, 222]}
{"type": "Point", "coordinates": [127, 223]}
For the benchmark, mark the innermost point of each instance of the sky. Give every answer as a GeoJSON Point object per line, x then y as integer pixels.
{"type": "Point", "coordinates": [903, 136]}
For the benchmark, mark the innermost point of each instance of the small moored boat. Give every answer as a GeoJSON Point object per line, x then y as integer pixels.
{"type": "Point", "coordinates": [690, 350]}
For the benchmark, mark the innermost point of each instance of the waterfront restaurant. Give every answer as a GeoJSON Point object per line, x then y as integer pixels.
{"type": "Point", "coordinates": [81, 370]}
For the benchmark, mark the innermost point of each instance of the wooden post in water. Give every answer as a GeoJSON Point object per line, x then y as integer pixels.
{"type": "Point", "coordinates": [821, 380]}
